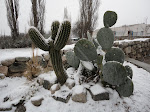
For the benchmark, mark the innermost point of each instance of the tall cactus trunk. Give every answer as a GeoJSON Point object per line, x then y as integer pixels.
{"type": "Point", "coordinates": [56, 60]}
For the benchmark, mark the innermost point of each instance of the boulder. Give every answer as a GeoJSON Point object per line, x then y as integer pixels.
{"type": "Point", "coordinates": [46, 57]}
{"type": "Point", "coordinates": [4, 70]}
{"type": "Point", "coordinates": [98, 93]}
{"type": "Point", "coordinates": [62, 95]}
{"type": "Point", "coordinates": [8, 62]}
{"type": "Point", "coordinates": [127, 50]}
{"type": "Point", "coordinates": [37, 101]}
{"type": "Point", "coordinates": [22, 59]}
{"type": "Point", "coordinates": [79, 94]}
{"type": "Point", "coordinates": [46, 84]}
{"type": "Point", "coordinates": [20, 108]}
{"type": "Point", "coordinates": [54, 88]}
{"type": "Point", "coordinates": [16, 74]}
{"type": "Point", "coordinates": [70, 83]}
{"type": "Point", "coordinates": [17, 67]}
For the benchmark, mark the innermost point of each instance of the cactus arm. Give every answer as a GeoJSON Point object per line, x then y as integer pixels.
{"type": "Point", "coordinates": [54, 29]}
{"type": "Point", "coordinates": [62, 35]}
{"type": "Point", "coordinates": [38, 39]}
{"type": "Point", "coordinates": [57, 65]}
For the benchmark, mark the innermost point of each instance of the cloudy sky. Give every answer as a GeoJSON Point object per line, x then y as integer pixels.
{"type": "Point", "coordinates": [129, 12]}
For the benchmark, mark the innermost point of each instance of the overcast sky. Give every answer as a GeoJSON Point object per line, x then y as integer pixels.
{"type": "Point", "coordinates": [129, 12]}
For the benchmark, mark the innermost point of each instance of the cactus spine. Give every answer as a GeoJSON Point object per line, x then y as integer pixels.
{"type": "Point", "coordinates": [60, 37]}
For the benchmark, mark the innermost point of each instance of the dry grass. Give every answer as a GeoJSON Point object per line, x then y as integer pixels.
{"type": "Point", "coordinates": [33, 67]}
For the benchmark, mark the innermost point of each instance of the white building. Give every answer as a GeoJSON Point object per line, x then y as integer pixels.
{"type": "Point", "coordinates": [130, 30]}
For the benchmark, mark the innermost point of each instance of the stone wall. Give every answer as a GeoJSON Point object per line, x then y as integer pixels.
{"type": "Point", "coordinates": [136, 49]}
{"type": "Point", "coordinates": [130, 37]}
{"type": "Point", "coordinates": [19, 65]}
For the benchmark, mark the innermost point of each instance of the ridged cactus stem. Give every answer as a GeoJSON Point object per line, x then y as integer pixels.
{"type": "Point", "coordinates": [58, 66]}
{"type": "Point", "coordinates": [38, 39]}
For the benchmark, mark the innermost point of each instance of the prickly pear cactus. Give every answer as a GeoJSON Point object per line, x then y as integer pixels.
{"type": "Point", "coordinates": [129, 71]}
{"type": "Point", "coordinates": [115, 54]}
{"type": "Point", "coordinates": [54, 46]}
{"type": "Point", "coordinates": [85, 50]}
{"type": "Point", "coordinates": [72, 59]}
{"type": "Point", "coordinates": [105, 37]}
{"type": "Point", "coordinates": [126, 89]}
{"type": "Point", "coordinates": [109, 19]}
{"type": "Point", "coordinates": [114, 73]}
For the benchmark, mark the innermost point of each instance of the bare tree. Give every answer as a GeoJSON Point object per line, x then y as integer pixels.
{"type": "Point", "coordinates": [88, 17]}
{"type": "Point", "coordinates": [12, 7]}
{"type": "Point", "coordinates": [38, 14]}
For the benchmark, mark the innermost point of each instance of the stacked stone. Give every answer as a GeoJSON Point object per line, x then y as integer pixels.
{"type": "Point", "coordinates": [135, 49]}
{"type": "Point", "coordinates": [18, 66]}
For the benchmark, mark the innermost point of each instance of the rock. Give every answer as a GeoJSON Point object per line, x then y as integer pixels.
{"type": "Point", "coordinates": [127, 50]}
{"type": "Point", "coordinates": [98, 93]}
{"type": "Point", "coordinates": [43, 63]}
{"type": "Point", "coordinates": [5, 109]}
{"type": "Point", "coordinates": [79, 94]}
{"type": "Point", "coordinates": [4, 70]}
{"type": "Point", "coordinates": [70, 83]}
{"type": "Point", "coordinates": [64, 60]}
{"type": "Point", "coordinates": [55, 88]}
{"type": "Point", "coordinates": [46, 84]}
{"type": "Point", "coordinates": [22, 59]}
{"type": "Point", "coordinates": [62, 95]}
{"type": "Point", "coordinates": [37, 101]}
{"type": "Point", "coordinates": [16, 74]}
{"type": "Point", "coordinates": [46, 57]}
{"type": "Point", "coordinates": [8, 62]}
{"type": "Point", "coordinates": [17, 67]}
{"type": "Point", "coordinates": [20, 108]}
{"type": "Point", "coordinates": [2, 76]}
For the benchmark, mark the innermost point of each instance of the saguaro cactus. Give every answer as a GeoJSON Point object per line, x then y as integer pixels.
{"type": "Point", "coordinates": [58, 40]}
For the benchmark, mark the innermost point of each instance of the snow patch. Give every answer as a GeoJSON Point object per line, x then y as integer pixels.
{"type": "Point", "coordinates": [88, 65]}
{"type": "Point", "coordinates": [50, 76]}
{"type": "Point", "coordinates": [97, 89]}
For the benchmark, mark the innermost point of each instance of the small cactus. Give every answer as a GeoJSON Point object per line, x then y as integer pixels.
{"type": "Point", "coordinates": [115, 54]}
{"type": "Point", "coordinates": [60, 38]}
{"type": "Point", "coordinates": [72, 59]}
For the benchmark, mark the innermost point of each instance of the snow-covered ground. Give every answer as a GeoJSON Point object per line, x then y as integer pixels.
{"type": "Point", "coordinates": [138, 102]}
{"type": "Point", "coordinates": [24, 52]}
{"type": "Point", "coordinates": [16, 88]}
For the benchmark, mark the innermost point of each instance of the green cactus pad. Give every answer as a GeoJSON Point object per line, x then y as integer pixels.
{"type": "Point", "coordinates": [115, 54]}
{"type": "Point", "coordinates": [126, 89]}
{"type": "Point", "coordinates": [54, 29]}
{"type": "Point", "coordinates": [114, 73]}
{"type": "Point", "coordinates": [129, 71]}
{"type": "Point", "coordinates": [63, 35]}
{"type": "Point", "coordinates": [85, 50]}
{"type": "Point", "coordinates": [105, 37]}
{"type": "Point", "coordinates": [72, 59]}
{"type": "Point", "coordinates": [109, 19]}
{"type": "Point", "coordinates": [38, 39]}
